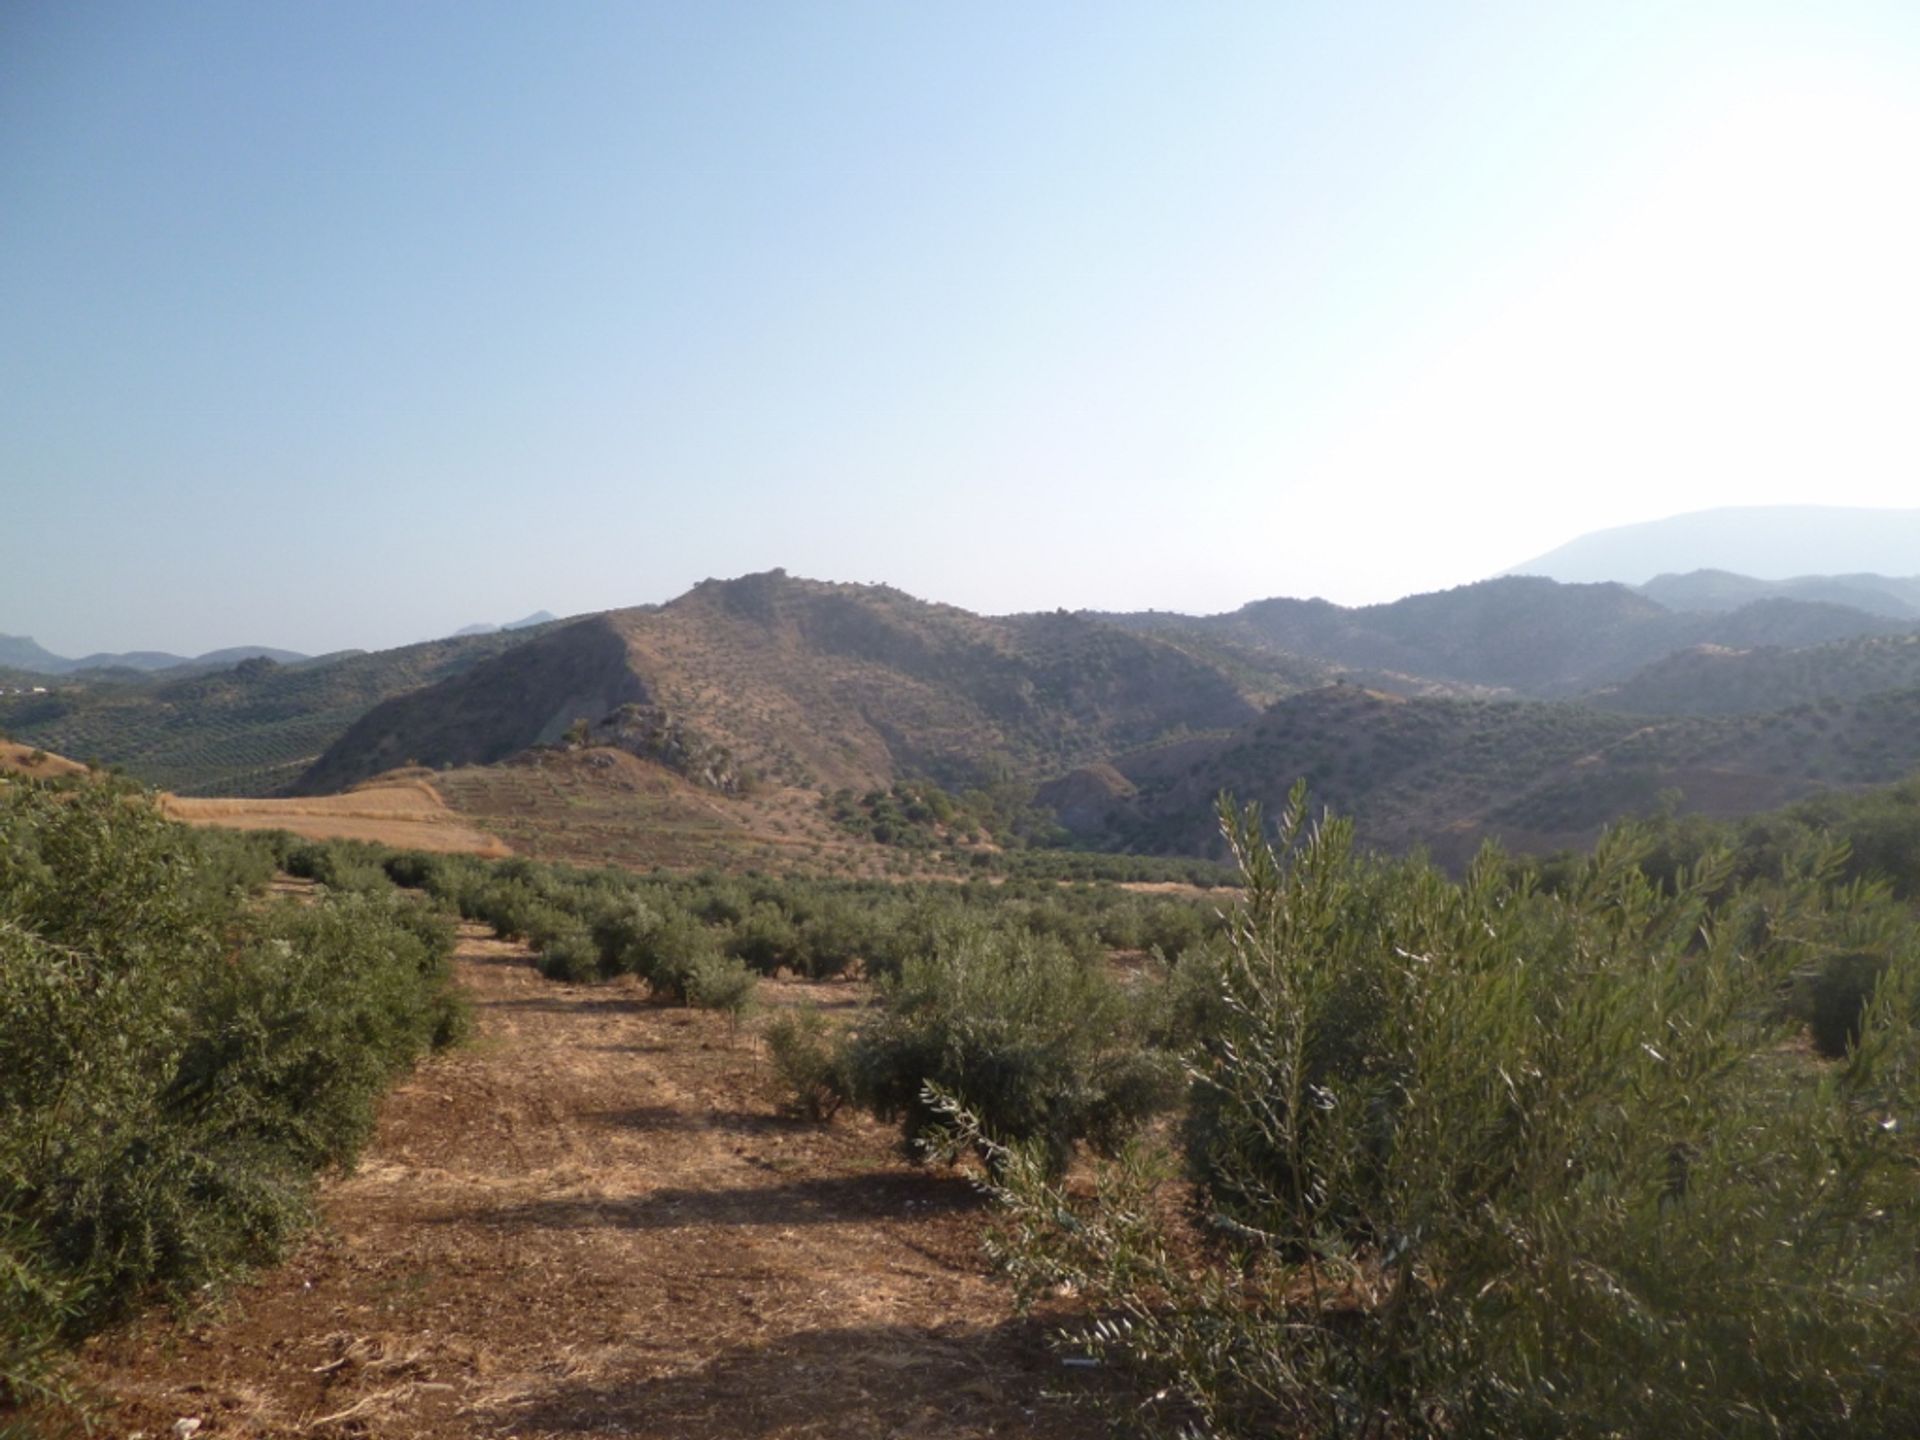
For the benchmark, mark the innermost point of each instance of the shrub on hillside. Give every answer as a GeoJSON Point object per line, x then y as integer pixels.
{"type": "Point", "coordinates": [336, 864]}
{"type": "Point", "coordinates": [1173, 927]}
{"type": "Point", "coordinates": [621, 927]}
{"type": "Point", "coordinates": [673, 951]}
{"type": "Point", "coordinates": [765, 939]}
{"type": "Point", "coordinates": [832, 940]}
{"type": "Point", "coordinates": [1839, 996]}
{"type": "Point", "coordinates": [232, 862]}
{"type": "Point", "coordinates": [518, 910]}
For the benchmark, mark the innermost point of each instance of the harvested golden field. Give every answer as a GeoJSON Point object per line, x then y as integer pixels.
{"type": "Point", "coordinates": [16, 759]}
{"type": "Point", "coordinates": [404, 811]}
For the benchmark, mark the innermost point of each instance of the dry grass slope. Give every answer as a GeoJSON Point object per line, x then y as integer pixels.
{"type": "Point", "coordinates": [35, 763]}
{"type": "Point", "coordinates": [404, 811]}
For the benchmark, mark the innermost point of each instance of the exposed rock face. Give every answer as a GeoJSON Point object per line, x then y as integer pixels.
{"type": "Point", "coordinates": [1087, 800]}
{"type": "Point", "coordinates": [651, 733]}
{"type": "Point", "coordinates": [526, 696]}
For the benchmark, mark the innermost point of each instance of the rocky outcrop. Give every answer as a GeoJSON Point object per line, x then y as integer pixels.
{"type": "Point", "coordinates": [527, 696]}
{"type": "Point", "coordinates": [1087, 801]}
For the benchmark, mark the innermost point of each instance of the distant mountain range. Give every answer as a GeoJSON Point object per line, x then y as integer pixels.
{"type": "Point", "coordinates": [1518, 635]}
{"type": "Point", "coordinates": [1772, 542]}
{"type": "Point", "coordinates": [1721, 590]}
{"type": "Point", "coordinates": [21, 652]}
{"type": "Point", "coordinates": [539, 617]}
{"type": "Point", "coordinates": [1518, 708]}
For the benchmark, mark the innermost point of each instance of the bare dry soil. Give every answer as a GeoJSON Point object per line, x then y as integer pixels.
{"type": "Point", "coordinates": [591, 1221]}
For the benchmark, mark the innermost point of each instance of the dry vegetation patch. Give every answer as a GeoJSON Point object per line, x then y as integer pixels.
{"type": "Point", "coordinates": [406, 812]}
{"type": "Point", "coordinates": [29, 760]}
{"type": "Point", "coordinates": [605, 807]}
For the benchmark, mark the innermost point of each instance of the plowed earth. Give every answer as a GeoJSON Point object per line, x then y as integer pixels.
{"type": "Point", "coordinates": [591, 1221]}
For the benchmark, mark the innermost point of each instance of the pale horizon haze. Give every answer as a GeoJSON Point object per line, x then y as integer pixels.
{"type": "Point", "coordinates": [350, 324]}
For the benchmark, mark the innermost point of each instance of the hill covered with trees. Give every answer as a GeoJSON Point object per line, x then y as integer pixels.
{"type": "Point", "coordinates": [247, 730]}
{"type": "Point", "coordinates": [813, 684]}
{"type": "Point", "coordinates": [1520, 635]}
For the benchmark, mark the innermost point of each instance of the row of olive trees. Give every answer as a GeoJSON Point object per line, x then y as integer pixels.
{"type": "Point", "coordinates": [177, 1060]}
{"type": "Point", "coordinates": [1542, 1151]}
{"type": "Point", "coordinates": [1482, 1158]}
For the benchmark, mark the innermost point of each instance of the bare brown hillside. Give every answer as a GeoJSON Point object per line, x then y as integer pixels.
{"type": "Point", "coordinates": [601, 806]}
{"type": "Point", "coordinates": [810, 684]}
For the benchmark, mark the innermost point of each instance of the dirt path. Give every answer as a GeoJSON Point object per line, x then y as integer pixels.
{"type": "Point", "coordinates": [591, 1222]}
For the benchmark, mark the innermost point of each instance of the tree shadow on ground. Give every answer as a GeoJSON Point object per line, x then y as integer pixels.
{"type": "Point", "coordinates": [572, 1002]}
{"type": "Point", "coordinates": [829, 1200]}
{"type": "Point", "coordinates": [820, 995]}
{"type": "Point", "coordinates": [672, 1118]}
{"type": "Point", "coordinates": [514, 959]}
{"type": "Point", "coordinates": [933, 1383]}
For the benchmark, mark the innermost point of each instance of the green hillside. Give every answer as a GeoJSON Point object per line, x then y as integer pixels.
{"type": "Point", "coordinates": [1518, 635]}
{"type": "Point", "coordinates": [1445, 774]}
{"type": "Point", "coordinates": [250, 730]}
{"type": "Point", "coordinates": [1718, 681]}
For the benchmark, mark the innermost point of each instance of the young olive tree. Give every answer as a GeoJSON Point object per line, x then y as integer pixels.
{"type": "Point", "coordinates": [1474, 1159]}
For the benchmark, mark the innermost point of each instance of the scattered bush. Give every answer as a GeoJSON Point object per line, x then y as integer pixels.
{"type": "Point", "coordinates": [1039, 1043]}
{"type": "Point", "coordinates": [672, 951]}
{"type": "Point", "coordinates": [720, 982]}
{"type": "Point", "coordinates": [1838, 998]}
{"type": "Point", "coordinates": [832, 941]}
{"type": "Point", "coordinates": [765, 938]}
{"type": "Point", "coordinates": [338, 865]}
{"type": "Point", "coordinates": [621, 929]}
{"type": "Point", "coordinates": [807, 1057]}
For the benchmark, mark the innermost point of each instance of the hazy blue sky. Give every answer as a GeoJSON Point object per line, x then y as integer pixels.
{"type": "Point", "coordinates": [345, 324]}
